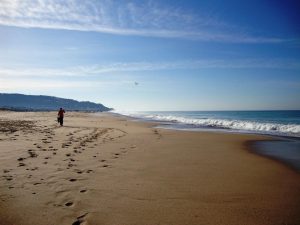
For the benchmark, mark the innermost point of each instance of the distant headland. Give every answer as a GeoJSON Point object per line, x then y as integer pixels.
{"type": "Point", "coordinates": [21, 102]}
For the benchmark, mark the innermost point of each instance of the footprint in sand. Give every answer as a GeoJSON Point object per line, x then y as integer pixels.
{"type": "Point", "coordinates": [83, 191]}
{"type": "Point", "coordinates": [79, 220]}
{"type": "Point", "coordinates": [72, 180]}
{"type": "Point", "coordinates": [35, 168]}
{"type": "Point", "coordinates": [8, 178]}
{"type": "Point", "coordinates": [32, 153]}
{"type": "Point", "coordinates": [70, 165]}
{"type": "Point", "coordinates": [69, 204]}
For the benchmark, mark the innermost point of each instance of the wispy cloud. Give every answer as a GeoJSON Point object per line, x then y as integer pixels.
{"type": "Point", "coordinates": [142, 18]}
{"type": "Point", "coordinates": [9, 84]}
{"type": "Point", "coordinates": [117, 68]}
{"type": "Point", "coordinates": [38, 84]}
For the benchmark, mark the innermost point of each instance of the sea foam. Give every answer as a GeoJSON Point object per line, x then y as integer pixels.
{"type": "Point", "coordinates": [232, 124]}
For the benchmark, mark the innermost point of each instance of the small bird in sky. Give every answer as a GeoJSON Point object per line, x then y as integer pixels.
{"type": "Point", "coordinates": [136, 83]}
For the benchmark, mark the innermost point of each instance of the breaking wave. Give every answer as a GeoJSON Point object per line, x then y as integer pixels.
{"type": "Point", "coordinates": [239, 125]}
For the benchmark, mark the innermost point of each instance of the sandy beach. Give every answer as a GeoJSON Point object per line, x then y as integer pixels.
{"type": "Point", "coordinates": [103, 169]}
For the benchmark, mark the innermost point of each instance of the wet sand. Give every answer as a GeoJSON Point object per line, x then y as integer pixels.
{"type": "Point", "coordinates": [101, 169]}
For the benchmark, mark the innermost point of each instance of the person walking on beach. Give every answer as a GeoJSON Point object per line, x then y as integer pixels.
{"type": "Point", "coordinates": [60, 117]}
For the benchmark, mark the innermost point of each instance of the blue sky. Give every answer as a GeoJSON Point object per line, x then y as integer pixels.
{"type": "Point", "coordinates": [154, 54]}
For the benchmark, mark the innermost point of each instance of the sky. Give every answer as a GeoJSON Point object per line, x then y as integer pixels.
{"type": "Point", "coordinates": [149, 55]}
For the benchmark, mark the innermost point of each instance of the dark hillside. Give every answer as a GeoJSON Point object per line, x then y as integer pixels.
{"type": "Point", "coordinates": [20, 102]}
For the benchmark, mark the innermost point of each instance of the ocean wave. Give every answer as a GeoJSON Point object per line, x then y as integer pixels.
{"type": "Point", "coordinates": [243, 125]}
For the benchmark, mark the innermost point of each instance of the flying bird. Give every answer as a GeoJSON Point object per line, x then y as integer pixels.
{"type": "Point", "coordinates": [136, 83]}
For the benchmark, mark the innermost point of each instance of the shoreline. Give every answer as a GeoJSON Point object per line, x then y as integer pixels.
{"type": "Point", "coordinates": [271, 149]}
{"type": "Point", "coordinates": [253, 146]}
{"type": "Point", "coordinates": [245, 122]}
{"type": "Point", "coordinates": [104, 169]}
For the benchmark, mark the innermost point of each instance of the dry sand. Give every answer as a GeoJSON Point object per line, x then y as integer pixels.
{"type": "Point", "coordinates": [106, 170]}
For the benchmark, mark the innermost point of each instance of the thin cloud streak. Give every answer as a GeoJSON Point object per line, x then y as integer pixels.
{"type": "Point", "coordinates": [131, 19]}
{"type": "Point", "coordinates": [113, 68]}
{"type": "Point", "coordinates": [11, 84]}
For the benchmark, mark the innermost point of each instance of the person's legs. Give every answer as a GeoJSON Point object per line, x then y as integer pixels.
{"type": "Point", "coordinates": [61, 120]}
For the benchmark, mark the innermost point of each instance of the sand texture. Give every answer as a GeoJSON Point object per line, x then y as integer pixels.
{"type": "Point", "coordinates": [101, 169]}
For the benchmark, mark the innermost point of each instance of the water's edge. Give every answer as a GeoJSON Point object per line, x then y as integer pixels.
{"type": "Point", "coordinates": [285, 150]}
{"type": "Point", "coordinates": [280, 123]}
{"type": "Point", "coordinates": [282, 150]}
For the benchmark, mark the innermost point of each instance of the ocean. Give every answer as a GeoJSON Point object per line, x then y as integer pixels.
{"type": "Point", "coordinates": [284, 125]}
{"type": "Point", "coordinates": [280, 123]}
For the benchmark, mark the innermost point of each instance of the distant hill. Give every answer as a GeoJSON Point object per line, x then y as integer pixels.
{"type": "Point", "coordinates": [20, 102]}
